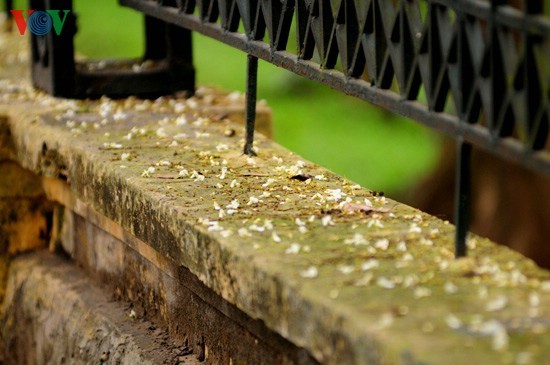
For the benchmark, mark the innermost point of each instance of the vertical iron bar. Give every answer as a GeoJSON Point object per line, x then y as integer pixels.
{"type": "Point", "coordinates": [462, 195]}
{"type": "Point", "coordinates": [533, 7]}
{"type": "Point", "coordinates": [155, 36]}
{"type": "Point", "coordinates": [251, 90]}
{"type": "Point", "coordinates": [9, 7]}
{"type": "Point", "coordinates": [495, 73]}
{"type": "Point", "coordinates": [531, 82]}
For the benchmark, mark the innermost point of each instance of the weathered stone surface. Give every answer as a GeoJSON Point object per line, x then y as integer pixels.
{"type": "Point", "coordinates": [352, 277]}
{"type": "Point", "coordinates": [24, 214]}
{"type": "Point", "coordinates": [55, 314]}
{"type": "Point", "coordinates": [17, 182]}
{"type": "Point", "coordinates": [170, 295]}
{"type": "Point", "coordinates": [23, 224]}
{"type": "Point", "coordinates": [6, 143]}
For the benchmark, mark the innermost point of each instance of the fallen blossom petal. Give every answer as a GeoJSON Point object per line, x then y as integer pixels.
{"type": "Point", "coordinates": [497, 304]}
{"type": "Point", "coordinates": [422, 292]}
{"type": "Point", "coordinates": [327, 221]}
{"type": "Point", "coordinates": [293, 249]}
{"type": "Point", "coordinates": [450, 288]}
{"type": "Point", "coordinates": [385, 283]}
{"type": "Point", "coordinates": [346, 269]}
{"type": "Point", "coordinates": [147, 172]}
{"type": "Point", "coordinates": [275, 237]}
{"type": "Point", "coordinates": [243, 232]}
{"type": "Point", "coordinates": [358, 239]}
{"type": "Point", "coordinates": [453, 321]}
{"type": "Point", "coordinates": [370, 264]}
{"type": "Point", "coordinates": [310, 273]}
{"type": "Point", "coordinates": [382, 244]}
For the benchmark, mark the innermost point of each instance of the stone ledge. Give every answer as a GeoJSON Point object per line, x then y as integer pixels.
{"type": "Point", "coordinates": [163, 292]}
{"type": "Point", "coordinates": [367, 280]}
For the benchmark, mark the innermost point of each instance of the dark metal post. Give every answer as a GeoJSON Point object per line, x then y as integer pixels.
{"type": "Point", "coordinates": [9, 7]}
{"type": "Point", "coordinates": [52, 56]}
{"type": "Point", "coordinates": [251, 90]}
{"type": "Point", "coordinates": [155, 35]}
{"type": "Point", "coordinates": [462, 195]}
{"type": "Point", "coordinates": [536, 127]}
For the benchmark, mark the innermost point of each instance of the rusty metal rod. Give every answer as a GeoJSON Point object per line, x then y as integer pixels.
{"type": "Point", "coordinates": [462, 195]}
{"type": "Point", "coordinates": [9, 7]}
{"type": "Point", "coordinates": [251, 91]}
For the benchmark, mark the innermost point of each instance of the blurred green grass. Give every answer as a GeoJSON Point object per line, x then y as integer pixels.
{"type": "Point", "coordinates": [370, 146]}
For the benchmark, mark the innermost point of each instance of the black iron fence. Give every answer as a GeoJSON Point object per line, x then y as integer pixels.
{"type": "Point", "coordinates": [477, 70]}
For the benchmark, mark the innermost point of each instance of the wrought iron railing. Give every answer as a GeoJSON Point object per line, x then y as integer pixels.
{"type": "Point", "coordinates": [477, 70]}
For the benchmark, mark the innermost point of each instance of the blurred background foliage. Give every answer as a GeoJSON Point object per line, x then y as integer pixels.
{"type": "Point", "coordinates": [368, 145]}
